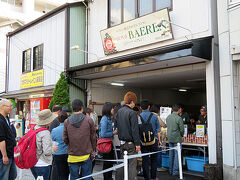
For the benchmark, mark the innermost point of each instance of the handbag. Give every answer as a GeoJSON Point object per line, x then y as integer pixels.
{"type": "Point", "coordinates": [104, 145]}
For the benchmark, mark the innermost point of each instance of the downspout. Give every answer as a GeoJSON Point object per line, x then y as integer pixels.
{"type": "Point", "coordinates": [7, 63]}
{"type": "Point", "coordinates": [86, 49]}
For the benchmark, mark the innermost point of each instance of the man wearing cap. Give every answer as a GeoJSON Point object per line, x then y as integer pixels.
{"type": "Point", "coordinates": [203, 116]}
{"type": "Point", "coordinates": [7, 142]}
{"type": "Point", "coordinates": [79, 134]}
{"type": "Point", "coordinates": [44, 145]}
{"type": "Point", "coordinates": [126, 124]}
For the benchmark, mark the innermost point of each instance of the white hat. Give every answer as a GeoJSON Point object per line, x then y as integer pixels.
{"type": "Point", "coordinates": [45, 117]}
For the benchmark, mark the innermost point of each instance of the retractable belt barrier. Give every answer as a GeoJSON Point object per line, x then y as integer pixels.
{"type": "Point", "coordinates": [126, 157]}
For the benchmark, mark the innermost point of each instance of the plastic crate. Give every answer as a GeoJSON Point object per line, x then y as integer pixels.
{"type": "Point", "coordinates": [195, 163]}
{"type": "Point", "coordinates": [165, 160]}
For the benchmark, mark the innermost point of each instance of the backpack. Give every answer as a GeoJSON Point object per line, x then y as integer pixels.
{"type": "Point", "coordinates": [146, 132]}
{"type": "Point", "coordinates": [25, 152]}
{"type": "Point", "coordinates": [104, 145]}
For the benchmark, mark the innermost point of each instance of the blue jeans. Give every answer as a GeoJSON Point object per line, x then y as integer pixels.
{"type": "Point", "coordinates": [173, 160]}
{"type": "Point", "coordinates": [42, 171]}
{"type": "Point", "coordinates": [9, 171]}
{"type": "Point", "coordinates": [86, 169]}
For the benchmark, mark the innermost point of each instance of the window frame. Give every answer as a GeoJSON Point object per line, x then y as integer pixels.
{"type": "Point", "coordinates": [24, 60]}
{"type": "Point", "coordinates": [34, 56]}
{"type": "Point", "coordinates": [137, 10]}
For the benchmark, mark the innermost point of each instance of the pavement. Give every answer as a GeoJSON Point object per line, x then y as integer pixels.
{"type": "Point", "coordinates": [25, 174]}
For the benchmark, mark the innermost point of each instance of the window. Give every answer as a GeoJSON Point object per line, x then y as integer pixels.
{"type": "Point", "coordinates": [26, 65]}
{"type": "Point", "coordinates": [124, 10]}
{"type": "Point", "coordinates": [38, 57]}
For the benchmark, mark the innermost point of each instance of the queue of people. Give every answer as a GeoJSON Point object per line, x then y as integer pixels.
{"type": "Point", "coordinates": [69, 146]}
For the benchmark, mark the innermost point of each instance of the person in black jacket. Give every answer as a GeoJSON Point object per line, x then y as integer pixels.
{"type": "Point", "coordinates": [7, 143]}
{"type": "Point", "coordinates": [126, 124]}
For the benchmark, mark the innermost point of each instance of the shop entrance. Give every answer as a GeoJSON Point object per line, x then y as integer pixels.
{"type": "Point", "coordinates": [184, 85]}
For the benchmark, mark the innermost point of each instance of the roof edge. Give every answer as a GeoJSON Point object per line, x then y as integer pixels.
{"type": "Point", "coordinates": [43, 17]}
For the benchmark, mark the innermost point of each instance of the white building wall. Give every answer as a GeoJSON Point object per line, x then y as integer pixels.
{"type": "Point", "coordinates": [194, 15]}
{"type": "Point", "coordinates": [50, 33]}
{"type": "Point", "coordinates": [197, 15]}
{"type": "Point", "coordinates": [229, 32]}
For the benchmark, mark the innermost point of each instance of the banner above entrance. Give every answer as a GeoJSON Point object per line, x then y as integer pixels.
{"type": "Point", "coordinates": [137, 32]}
{"type": "Point", "coordinates": [32, 79]}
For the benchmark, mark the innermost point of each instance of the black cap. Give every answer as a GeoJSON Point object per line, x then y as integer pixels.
{"type": "Point", "coordinates": [204, 107]}
{"type": "Point", "coordinates": [66, 109]}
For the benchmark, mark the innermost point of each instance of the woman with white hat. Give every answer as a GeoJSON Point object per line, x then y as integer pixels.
{"type": "Point", "coordinates": [44, 145]}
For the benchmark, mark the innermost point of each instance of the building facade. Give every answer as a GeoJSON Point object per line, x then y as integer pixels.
{"type": "Point", "coordinates": [229, 43]}
{"type": "Point", "coordinates": [135, 45]}
{"type": "Point", "coordinates": [14, 14]}
{"type": "Point", "coordinates": [37, 54]}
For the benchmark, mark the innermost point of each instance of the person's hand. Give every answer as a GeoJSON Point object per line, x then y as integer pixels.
{"type": "Point", "coordinates": [5, 160]}
{"type": "Point", "coordinates": [159, 143]}
{"type": "Point", "coordinates": [115, 132]}
{"type": "Point", "coordinates": [93, 154]}
{"type": "Point", "coordinates": [55, 148]}
{"type": "Point", "coordinates": [198, 122]}
{"type": "Point", "coordinates": [138, 148]}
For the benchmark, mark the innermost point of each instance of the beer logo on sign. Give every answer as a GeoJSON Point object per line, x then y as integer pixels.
{"type": "Point", "coordinates": [109, 46]}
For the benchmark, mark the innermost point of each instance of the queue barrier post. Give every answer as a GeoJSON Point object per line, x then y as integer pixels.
{"type": "Point", "coordinates": [125, 160]}
{"type": "Point", "coordinates": [180, 161]}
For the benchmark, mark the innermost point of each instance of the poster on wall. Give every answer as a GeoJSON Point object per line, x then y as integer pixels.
{"type": "Point", "coordinates": [164, 113]}
{"type": "Point", "coordinates": [35, 109]}
{"type": "Point", "coordinates": [200, 130]}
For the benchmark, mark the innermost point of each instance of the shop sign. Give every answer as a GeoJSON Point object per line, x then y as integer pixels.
{"type": "Point", "coordinates": [137, 32]}
{"type": "Point", "coordinates": [32, 79]}
{"type": "Point", "coordinates": [34, 96]}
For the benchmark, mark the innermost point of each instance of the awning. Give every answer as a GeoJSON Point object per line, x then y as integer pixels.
{"type": "Point", "coordinates": [183, 53]}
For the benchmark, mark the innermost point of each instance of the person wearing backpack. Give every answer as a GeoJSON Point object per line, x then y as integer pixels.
{"type": "Point", "coordinates": [8, 169]}
{"type": "Point", "coordinates": [44, 149]}
{"type": "Point", "coordinates": [150, 139]}
{"type": "Point", "coordinates": [175, 133]}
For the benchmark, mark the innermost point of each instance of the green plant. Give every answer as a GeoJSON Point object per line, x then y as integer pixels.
{"type": "Point", "coordinates": [60, 93]}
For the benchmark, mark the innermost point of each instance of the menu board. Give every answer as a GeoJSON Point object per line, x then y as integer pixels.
{"type": "Point", "coordinates": [200, 130]}
{"type": "Point", "coordinates": [35, 109]}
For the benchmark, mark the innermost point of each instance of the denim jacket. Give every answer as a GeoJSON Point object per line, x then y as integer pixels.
{"type": "Point", "coordinates": [57, 135]}
{"type": "Point", "coordinates": [105, 128]}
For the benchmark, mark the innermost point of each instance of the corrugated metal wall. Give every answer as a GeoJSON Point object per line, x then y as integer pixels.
{"type": "Point", "coordinates": [77, 35]}
{"type": "Point", "coordinates": [75, 92]}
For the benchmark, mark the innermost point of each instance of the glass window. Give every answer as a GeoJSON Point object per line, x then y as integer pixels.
{"type": "Point", "coordinates": [129, 10]}
{"type": "Point", "coordinates": [125, 10]}
{"type": "Point", "coordinates": [161, 4]}
{"type": "Point", "coordinates": [115, 11]}
{"type": "Point", "coordinates": [26, 65]}
{"type": "Point", "coordinates": [145, 7]}
{"type": "Point", "coordinates": [38, 57]}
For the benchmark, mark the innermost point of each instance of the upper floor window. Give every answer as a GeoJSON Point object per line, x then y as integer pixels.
{"type": "Point", "coordinates": [38, 57]}
{"type": "Point", "coordinates": [124, 10]}
{"type": "Point", "coordinates": [26, 61]}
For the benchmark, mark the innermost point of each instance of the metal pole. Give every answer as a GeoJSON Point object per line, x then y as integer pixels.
{"type": "Point", "coordinates": [125, 157]}
{"type": "Point", "coordinates": [180, 161]}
